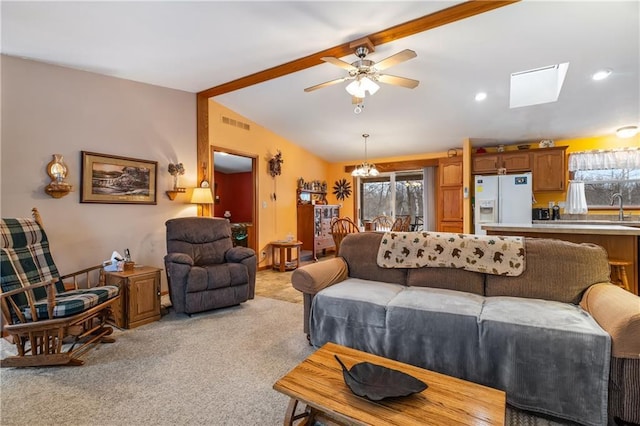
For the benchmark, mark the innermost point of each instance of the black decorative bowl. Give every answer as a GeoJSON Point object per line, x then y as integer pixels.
{"type": "Point", "coordinates": [376, 382]}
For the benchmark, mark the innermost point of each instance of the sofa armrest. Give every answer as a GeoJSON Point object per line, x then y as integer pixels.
{"type": "Point", "coordinates": [618, 313]}
{"type": "Point", "coordinates": [314, 277]}
{"type": "Point", "coordinates": [238, 254]}
{"type": "Point", "coordinates": [178, 258]}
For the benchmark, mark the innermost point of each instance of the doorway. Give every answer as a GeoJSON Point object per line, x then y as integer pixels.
{"type": "Point", "coordinates": [235, 189]}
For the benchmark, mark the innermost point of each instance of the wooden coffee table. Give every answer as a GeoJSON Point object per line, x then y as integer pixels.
{"type": "Point", "coordinates": [318, 383]}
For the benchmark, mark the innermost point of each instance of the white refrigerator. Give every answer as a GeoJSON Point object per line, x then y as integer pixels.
{"type": "Point", "coordinates": [502, 199]}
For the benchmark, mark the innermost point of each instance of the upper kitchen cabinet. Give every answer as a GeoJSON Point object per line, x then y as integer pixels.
{"type": "Point", "coordinates": [516, 161]}
{"type": "Point", "coordinates": [549, 169]}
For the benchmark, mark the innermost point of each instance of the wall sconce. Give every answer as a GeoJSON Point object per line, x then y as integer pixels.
{"type": "Point", "coordinates": [175, 170]}
{"type": "Point", "coordinates": [57, 171]}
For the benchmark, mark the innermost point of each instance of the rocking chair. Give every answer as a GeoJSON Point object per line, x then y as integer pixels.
{"type": "Point", "coordinates": [50, 322]}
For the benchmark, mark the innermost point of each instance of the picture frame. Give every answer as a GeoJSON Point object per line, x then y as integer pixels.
{"type": "Point", "coordinates": [112, 179]}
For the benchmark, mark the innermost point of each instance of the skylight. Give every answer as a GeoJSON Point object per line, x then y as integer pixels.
{"type": "Point", "coordinates": [537, 86]}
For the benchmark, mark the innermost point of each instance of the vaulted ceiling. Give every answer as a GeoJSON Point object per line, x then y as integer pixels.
{"type": "Point", "coordinates": [195, 46]}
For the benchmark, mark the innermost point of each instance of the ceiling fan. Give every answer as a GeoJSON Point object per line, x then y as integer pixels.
{"type": "Point", "coordinates": [365, 73]}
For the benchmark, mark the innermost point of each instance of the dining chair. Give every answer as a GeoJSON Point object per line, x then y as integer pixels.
{"type": "Point", "coordinates": [382, 223]}
{"type": "Point", "coordinates": [340, 228]}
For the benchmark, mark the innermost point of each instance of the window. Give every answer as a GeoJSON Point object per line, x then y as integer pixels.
{"type": "Point", "coordinates": [605, 173]}
{"type": "Point", "coordinates": [393, 194]}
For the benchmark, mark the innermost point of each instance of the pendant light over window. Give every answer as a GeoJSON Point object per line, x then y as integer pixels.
{"type": "Point", "coordinates": [365, 169]}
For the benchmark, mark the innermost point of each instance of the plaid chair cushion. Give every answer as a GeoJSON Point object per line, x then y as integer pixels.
{"type": "Point", "coordinates": [25, 257]}
{"type": "Point", "coordinates": [74, 301]}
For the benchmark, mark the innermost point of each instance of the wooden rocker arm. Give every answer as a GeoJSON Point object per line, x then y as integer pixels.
{"type": "Point", "coordinates": [6, 300]}
{"type": "Point", "coordinates": [87, 278]}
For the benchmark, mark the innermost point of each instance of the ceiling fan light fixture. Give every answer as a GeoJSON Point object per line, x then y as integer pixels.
{"type": "Point", "coordinates": [360, 86]}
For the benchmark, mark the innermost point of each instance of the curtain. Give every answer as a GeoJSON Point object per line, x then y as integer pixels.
{"type": "Point", "coordinates": [605, 160]}
{"type": "Point", "coordinates": [576, 200]}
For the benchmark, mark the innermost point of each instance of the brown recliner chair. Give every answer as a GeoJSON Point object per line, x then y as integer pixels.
{"type": "Point", "coordinates": [204, 270]}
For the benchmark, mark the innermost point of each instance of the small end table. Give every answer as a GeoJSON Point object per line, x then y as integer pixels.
{"type": "Point", "coordinates": [284, 260]}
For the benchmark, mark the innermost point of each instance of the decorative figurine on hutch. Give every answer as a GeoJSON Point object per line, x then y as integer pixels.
{"type": "Point", "coordinates": [57, 171]}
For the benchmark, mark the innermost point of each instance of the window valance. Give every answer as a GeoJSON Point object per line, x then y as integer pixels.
{"type": "Point", "coordinates": [605, 160]}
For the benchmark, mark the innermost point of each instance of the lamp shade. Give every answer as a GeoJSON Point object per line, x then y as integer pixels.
{"type": "Point", "coordinates": [201, 196]}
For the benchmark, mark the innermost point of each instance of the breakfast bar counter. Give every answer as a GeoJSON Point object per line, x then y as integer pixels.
{"type": "Point", "coordinates": [621, 242]}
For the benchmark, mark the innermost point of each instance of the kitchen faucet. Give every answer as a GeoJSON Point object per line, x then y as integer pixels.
{"type": "Point", "coordinates": [619, 196]}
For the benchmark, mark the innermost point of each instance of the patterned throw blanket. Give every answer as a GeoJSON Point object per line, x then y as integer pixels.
{"type": "Point", "coordinates": [480, 253]}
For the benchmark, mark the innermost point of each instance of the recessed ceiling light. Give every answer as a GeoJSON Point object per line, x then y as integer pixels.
{"type": "Point", "coordinates": [627, 131]}
{"type": "Point", "coordinates": [481, 96]}
{"type": "Point", "coordinates": [601, 75]}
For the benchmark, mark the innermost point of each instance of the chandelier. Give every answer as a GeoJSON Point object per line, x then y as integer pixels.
{"type": "Point", "coordinates": [365, 169]}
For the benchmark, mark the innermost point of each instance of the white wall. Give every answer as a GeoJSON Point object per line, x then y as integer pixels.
{"type": "Point", "coordinates": [50, 110]}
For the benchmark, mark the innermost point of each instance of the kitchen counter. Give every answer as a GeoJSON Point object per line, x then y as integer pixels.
{"type": "Point", "coordinates": [621, 242]}
{"type": "Point", "coordinates": [558, 227]}
{"type": "Point", "coordinates": [633, 222]}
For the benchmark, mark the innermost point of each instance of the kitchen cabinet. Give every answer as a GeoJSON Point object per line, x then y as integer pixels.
{"type": "Point", "coordinates": [314, 226]}
{"type": "Point", "coordinates": [549, 169]}
{"type": "Point", "coordinates": [516, 161]}
{"type": "Point", "coordinates": [450, 200]}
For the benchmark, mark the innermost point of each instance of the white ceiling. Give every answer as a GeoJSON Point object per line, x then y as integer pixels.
{"type": "Point", "coordinates": [193, 46]}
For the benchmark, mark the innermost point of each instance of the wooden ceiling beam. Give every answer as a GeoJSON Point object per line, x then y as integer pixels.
{"type": "Point", "coordinates": [418, 25]}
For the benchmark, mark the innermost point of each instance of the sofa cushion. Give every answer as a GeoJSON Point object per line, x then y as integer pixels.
{"type": "Point", "coordinates": [447, 278]}
{"type": "Point", "coordinates": [549, 356]}
{"type": "Point", "coordinates": [556, 270]}
{"type": "Point", "coordinates": [447, 315]}
{"type": "Point", "coordinates": [204, 239]}
{"type": "Point", "coordinates": [352, 313]}
{"type": "Point", "coordinates": [216, 276]}
{"type": "Point", "coordinates": [360, 251]}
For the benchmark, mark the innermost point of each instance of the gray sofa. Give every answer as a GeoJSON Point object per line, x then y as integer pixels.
{"type": "Point", "coordinates": [525, 334]}
{"type": "Point", "coordinates": [204, 270]}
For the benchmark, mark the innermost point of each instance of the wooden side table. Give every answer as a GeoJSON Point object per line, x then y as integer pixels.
{"type": "Point", "coordinates": [285, 259]}
{"type": "Point", "coordinates": [139, 296]}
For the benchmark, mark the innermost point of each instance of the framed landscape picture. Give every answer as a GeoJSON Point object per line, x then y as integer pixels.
{"type": "Point", "coordinates": [117, 180]}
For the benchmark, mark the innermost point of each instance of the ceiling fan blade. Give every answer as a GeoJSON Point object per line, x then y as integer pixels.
{"type": "Point", "coordinates": [398, 81]}
{"type": "Point", "coordinates": [339, 62]}
{"type": "Point", "coordinates": [392, 60]}
{"type": "Point", "coordinates": [326, 83]}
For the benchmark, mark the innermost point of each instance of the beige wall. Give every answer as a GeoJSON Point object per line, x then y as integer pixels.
{"type": "Point", "coordinates": [49, 110]}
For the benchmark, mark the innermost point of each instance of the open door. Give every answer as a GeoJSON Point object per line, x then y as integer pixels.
{"type": "Point", "coordinates": [235, 189]}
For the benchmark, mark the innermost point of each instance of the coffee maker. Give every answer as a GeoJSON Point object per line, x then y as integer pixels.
{"type": "Point", "coordinates": [540, 214]}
